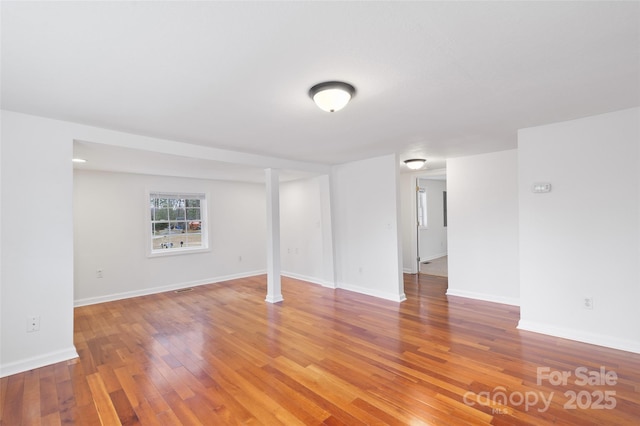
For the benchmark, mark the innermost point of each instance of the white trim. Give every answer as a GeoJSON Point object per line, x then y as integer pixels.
{"type": "Point", "coordinates": [312, 280]}
{"type": "Point", "coordinates": [178, 251]}
{"type": "Point", "coordinates": [37, 361]}
{"type": "Point", "coordinates": [484, 297]}
{"type": "Point", "coordinates": [409, 271]}
{"type": "Point", "coordinates": [580, 336]}
{"type": "Point", "coordinates": [375, 293]}
{"type": "Point", "coordinates": [162, 289]}
{"type": "Point", "coordinates": [274, 299]}
{"type": "Point", "coordinates": [435, 256]}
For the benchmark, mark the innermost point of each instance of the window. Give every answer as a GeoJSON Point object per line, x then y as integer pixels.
{"type": "Point", "coordinates": [422, 207]}
{"type": "Point", "coordinates": [178, 222]}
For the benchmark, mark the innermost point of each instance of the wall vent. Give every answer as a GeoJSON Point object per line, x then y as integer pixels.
{"type": "Point", "coordinates": [183, 290]}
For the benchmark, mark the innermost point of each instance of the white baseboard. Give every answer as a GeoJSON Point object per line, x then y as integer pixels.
{"type": "Point", "coordinates": [309, 279]}
{"type": "Point", "coordinates": [37, 361]}
{"type": "Point", "coordinates": [409, 271]}
{"type": "Point", "coordinates": [274, 299]}
{"type": "Point", "coordinates": [433, 256]}
{"type": "Point", "coordinates": [483, 296]}
{"type": "Point", "coordinates": [580, 336]}
{"type": "Point", "coordinates": [162, 289]}
{"type": "Point", "coordinates": [375, 293]}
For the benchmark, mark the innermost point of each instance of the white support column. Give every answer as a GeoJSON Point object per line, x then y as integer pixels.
{"type": "Point", "coordinates": [274, 293]}
{"type": "Point", "coordinates": [328, 254]}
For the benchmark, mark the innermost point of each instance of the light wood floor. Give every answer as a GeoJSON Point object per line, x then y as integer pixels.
{"type": "Point", "coordinates": [220, 355]}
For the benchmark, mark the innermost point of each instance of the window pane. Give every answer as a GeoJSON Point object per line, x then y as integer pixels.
{"type": "Point", "coordinates": [161, 228]}
{"type": "Point", "coordinates": [156, 243]}
{"type": "Point", "coordinates": [193, 203]}
{"type": "Point", "coordinates": [194, 239]}
{"type": "Point", "coordinates": [194, 227]}
{"type": "Point", "coordinates": [162, 203]}
{"type": "Point", "coordinates": [161, 214]}
{"type": "Point", "coordinates": [178, 227]}
{"type": "Point", "coordinates": [193, 214]}
{"type": "Point", "coordinates": [176, 213]}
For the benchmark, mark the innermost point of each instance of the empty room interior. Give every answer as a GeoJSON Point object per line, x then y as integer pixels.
{"type": "Point", "coordinates": [338, 213]}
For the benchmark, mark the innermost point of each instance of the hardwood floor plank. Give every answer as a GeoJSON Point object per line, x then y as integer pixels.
{"type": "Point", "coordinates": [102, 400]}
{"type": "Point", "coordinates": [177, 385]}
{"type": "Point", "coordinates": [335, 390]}
{"type": "Point", "coordinates": [220, 355]}
{"type": "Point", "coordinates": [31, 406]}
{"type": "Point", "coordinates": [129, 386]}
{"type": "Point", "coordinates": [48, 391]}
{"type": "Point", "coordinates": [4, 384]}
{"type": "Point", "coordinates": [125, 411]}
{"type": "Point", "coordinates": [66, 400]}
{"type": "Point", "coordinates": [298, 405]}
{"type": "Point", "coordinates": [85, 415]}
{"type": "Point", "coordinates": [185, 416]}
{"type": "Point", "coordinates": [52, 419]}
{"type": "Point", "coordinates": [13, 399]}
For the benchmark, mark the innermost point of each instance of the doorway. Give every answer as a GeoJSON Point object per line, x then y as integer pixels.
{"type": "Point", "coordinates": [431, 225]}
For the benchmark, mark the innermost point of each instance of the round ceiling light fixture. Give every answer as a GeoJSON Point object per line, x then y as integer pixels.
{"type": "Point", "coordinates": [332, 96]}
{"type": "Point", "coordinates": [415, 163]}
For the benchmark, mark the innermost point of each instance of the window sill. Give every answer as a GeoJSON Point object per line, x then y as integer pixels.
{"type": "Point", "coordinates": [178, 252]}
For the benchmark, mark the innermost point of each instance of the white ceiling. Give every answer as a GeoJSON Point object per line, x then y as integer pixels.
{"type": "Point", "coordinates": [433, 79]}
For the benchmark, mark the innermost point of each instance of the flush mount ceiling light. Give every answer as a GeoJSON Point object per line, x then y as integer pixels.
{"type": "Point", "coordinates": [332, 96]}
{"type": "Point", "coordinates": [415, 163]}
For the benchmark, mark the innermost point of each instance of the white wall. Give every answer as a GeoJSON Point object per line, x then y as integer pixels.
{"type": "Point", "coordinates": [305, 232]}
{"type": "Point", "coordinates": [365, 202]}
{"type": "Point", "coordinates": [110, 228]}
{"type": "Point", "coordinates": [482, 195]}
{"type": "Point", "coordinates": [582, 239]}
{"type": "Point", "coordinates": [37, 242]}
{"type": "Point", "coordinates": [433, 238]}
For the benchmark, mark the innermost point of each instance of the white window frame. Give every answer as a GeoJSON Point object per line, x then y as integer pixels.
{"type": "Point", "coordinates": [204, 223]}
{"type": "Point", "coordinates": [421, 207]}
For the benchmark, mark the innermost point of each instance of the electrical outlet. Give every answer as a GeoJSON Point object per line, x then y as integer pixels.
{"type": "Point", "coordinates": [98, 273]}
{"type": "Point", "coordinates": [587, 302]}
{"type": "Point", "coordinates": [33, 324]}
